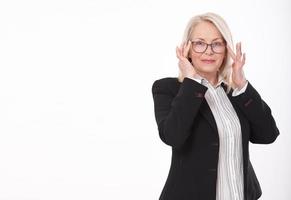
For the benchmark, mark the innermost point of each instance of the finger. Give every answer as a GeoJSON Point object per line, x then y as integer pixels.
{"type": "Point", "coordinates": [231, 53]}
{"type": "Point", "coordinates": [178, 52]}
{"type": "Point", "coordinates": [182, 44]}
{"type": "Point", "coordinates": [238, 51]}
{"type": "Point", "coordinates": [244, 58]}
{"type": "Point", "coordinates": [184, 49]}
{"type": "Point", "coordinates": [181, 49]}
{"type": "Point", "coordinates": [188, 47]}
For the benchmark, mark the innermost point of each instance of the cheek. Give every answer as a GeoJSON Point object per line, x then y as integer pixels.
{"type": "Point", "coordinates": [195, 58]}
{"type": "Point", "coordinates": [220, 60]}
{"type": "Point", "coordinates": [196, 61]}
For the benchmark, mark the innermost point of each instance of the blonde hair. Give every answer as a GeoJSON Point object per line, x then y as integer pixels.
{"type": "Point", "coordinates": [225, 70]}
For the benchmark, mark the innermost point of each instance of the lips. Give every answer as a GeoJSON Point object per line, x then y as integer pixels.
{"type": "Point", "coordinates": [208, 61]}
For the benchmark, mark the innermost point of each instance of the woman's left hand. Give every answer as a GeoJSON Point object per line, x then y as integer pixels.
{"type": "Point", "coordinates": [238, 77]}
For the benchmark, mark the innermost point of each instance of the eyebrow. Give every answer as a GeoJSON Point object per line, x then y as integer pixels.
{"type": "Point", "coordinates": [212, 40]}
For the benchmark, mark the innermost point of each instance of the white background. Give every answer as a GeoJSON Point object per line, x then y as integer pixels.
{"type": "Point", "coordinates": [76, 108]}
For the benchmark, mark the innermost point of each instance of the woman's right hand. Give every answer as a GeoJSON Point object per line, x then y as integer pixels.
{"type": "Point", "coordinates": [186, 68]}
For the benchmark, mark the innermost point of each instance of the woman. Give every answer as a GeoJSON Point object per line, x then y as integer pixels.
{"type": "Point", "coordinates": [208, 115]}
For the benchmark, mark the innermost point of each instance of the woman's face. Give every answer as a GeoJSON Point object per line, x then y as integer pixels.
{"type": "Point", "coordinates": [207, 62]}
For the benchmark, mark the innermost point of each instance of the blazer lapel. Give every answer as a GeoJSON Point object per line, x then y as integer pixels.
{"type": "Point", "coordinates": [241, 117]}
{"type": "Point", "coordinates": [207, 113]}
{"type": "Point", "coordinates": [243, 121]}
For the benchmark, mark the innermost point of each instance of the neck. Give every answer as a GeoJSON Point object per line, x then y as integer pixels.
{"type": "Point", "coordinates": [212, 78]}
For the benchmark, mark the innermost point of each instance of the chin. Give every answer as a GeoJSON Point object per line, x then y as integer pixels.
{"type": "Point", "coordinates": [208, 69]}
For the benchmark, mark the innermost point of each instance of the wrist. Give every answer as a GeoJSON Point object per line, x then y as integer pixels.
{"type": "Point", "coordinates": [241, 84]}
{"type": "Point", "coordinates": [190, 76]}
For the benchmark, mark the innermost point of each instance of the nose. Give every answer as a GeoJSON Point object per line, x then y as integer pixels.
{"type": "Point", "coordinates": [208, 50]}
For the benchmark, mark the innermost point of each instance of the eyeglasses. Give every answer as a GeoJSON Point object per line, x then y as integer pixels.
{"type": "Point", "coordinates": [200, 47]}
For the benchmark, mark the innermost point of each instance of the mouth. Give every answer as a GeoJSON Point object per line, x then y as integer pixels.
{"type": "Point", "coordinates": [208, 61]}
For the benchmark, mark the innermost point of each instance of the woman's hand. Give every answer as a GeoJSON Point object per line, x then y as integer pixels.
{"type": "Point", "coordinates": [238, 77]}
{"type": "Point", "coordinates": [185, 66]}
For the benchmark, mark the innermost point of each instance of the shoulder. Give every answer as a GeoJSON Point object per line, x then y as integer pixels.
{"type": "Point", "coordinates": [166, 85]}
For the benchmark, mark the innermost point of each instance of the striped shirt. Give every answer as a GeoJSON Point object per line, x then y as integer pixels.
{"type": "Point", "coordinates": [229, 185]}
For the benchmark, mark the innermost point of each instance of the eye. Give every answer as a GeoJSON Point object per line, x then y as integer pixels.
{"type": "Point", "coordinates": [217, 44]}
{"type": "Point", "coordinates": [199, 43]}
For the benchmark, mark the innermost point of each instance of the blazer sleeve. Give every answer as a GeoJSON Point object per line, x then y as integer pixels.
{"type": "Point", "coordinates": [262, 124]}
{"type": "Point", "coordinates": [175, 114]}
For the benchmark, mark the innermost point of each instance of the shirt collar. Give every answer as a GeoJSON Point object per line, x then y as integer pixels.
{"type": "Point", "coordinates": [204, 81]}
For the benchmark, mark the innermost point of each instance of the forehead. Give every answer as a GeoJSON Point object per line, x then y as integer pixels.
{"type": "Point", "coordinates": [206, 30]}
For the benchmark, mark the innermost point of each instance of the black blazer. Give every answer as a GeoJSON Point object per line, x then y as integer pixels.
{"type": "Point", "coordinates": [186, 123]}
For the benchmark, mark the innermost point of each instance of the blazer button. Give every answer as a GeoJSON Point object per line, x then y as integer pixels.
{"type": "Point", "coordinates": [214, 144]}
{"type": "Point", "coordinates": [212, 170]}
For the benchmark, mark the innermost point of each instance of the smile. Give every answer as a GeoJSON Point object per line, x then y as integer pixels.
{"type": "Point", "coordinates": [208, 61]}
